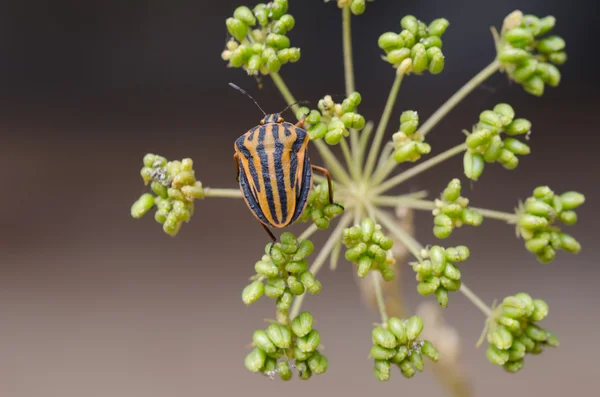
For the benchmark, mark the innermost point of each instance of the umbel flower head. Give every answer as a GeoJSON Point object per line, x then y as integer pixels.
{"type": "Point", "coordinates": [537, 222]}
{"type": "Point", "coordinates": [513, 331]}
{"type": "Point", "coordinates": [368, 248]}
{"type": "Point", "coordinates": [436, 272]}
{"type": "Point", "coordinates": [486, 144]}
{"type": "Point", "coordinates": [397, 342]}
{"type": "Point", "coordinates": [409, 144]}
{"type": "Point", "coordinates": [332, 121]}
{"type": "Point", "coordinates": [452, 211]}
{"type": "Point", "coordinates": [417, 48]}
{"type": "Point", "coordinates": [175, 188]}
{"type": "Point", "coordinates": [276, 345]}
{"type": "Point", "coordinates": [528, 54]}
{"type": "Point", "coordinates": [259, 42]}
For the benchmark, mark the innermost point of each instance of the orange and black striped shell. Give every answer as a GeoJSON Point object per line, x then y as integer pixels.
{"type": "Point", "coordinates": [275, 172]}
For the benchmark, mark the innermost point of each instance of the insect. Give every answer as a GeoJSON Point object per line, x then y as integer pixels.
{"type": "Point", "coordinates": [274, 170]}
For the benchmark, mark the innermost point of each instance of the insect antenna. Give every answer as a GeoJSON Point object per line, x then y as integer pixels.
{"type": "Point", "coordinates": [249, 96]}
{"type": "Point", "coordinates": [295, 103]}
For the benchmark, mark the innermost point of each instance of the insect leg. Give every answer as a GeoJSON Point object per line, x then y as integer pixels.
{"type": "Point", "coordinates": [237, 166]}
{"type": "Point", "coordinates": [270, 235]}
{"type": "Point", "coordinates": [327, 175]}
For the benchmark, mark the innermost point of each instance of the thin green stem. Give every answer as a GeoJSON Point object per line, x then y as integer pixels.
{"type": "Point", "coordinates": [380, 300]}
{"type": "Point", "coordinates": [347, 42]}
{"type": "Point", "coordinates": [223, 193]}
{"type": "Point", "coordinates": [419, 204]}
{"type": "Point", "coordinates": [381, 127]}
{"type": "Point", "coordinates": [365, 134]}
{"type": "Point", "coordinates": [415, 249]}
{"type": "Point", "coordinates": [350, 162]}
{"type": "Point", "coordinates": [459, 96]}
{"type": "Point", "coordinates": [320, 259]}
{"type": "Point", "coordinates": [417, 169]}
{"type": "Point", "coordinates": [308, 232]}
{"type": "Point", "coordinates": [481, 305]}
{"type": "Point", "coordinates": [384, 168]}
{"type": "Point", "coordinates": [334, 166]}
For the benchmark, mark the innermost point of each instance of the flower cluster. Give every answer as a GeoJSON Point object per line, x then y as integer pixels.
{"type": "Point", "coordinates": [436, 272]}
{"type": "Point", "coordinates": [537, 217]}
{"type": "Point", "coordinates": [367, 247]}
{"type": "Point", "coordinates": [417, 47]}
{"type": "Point", "coordinates": [276, 345]}
{"type": "Point", "coordinates": [513, 331]}
{"type": "Point", "coordinates": [528, 58]}
{"type": "Point", "coordinates": [285, 269]}
{"type": "Point", "coordinates": [319, 209]}
{"type": "Point", "coordinates": [259, 43]}
{"type": "Point", "coordinates": [485, 145]}
{"type": "Point", "coordinates": [332, 121]}
{"type": "Point", "coordinates": [175, 187]}
{"type": "Point", "coordinates": [396, 342]}
{"type": "Point", "coordinates": [356, 6]}
{"type": "Point", "coordinates": [452, 211]}
{"type": "Point", "coordinates": [409, 144]}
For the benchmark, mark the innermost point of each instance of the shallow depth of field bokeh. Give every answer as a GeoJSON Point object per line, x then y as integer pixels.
{"type": "Point", "coordinates": [94, 303]}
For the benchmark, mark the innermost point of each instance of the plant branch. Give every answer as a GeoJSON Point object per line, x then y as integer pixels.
{"type": "Point", "coordinates": [380, 300]}
{"type": "Point", "coordinates": [381, 127]}
{"type": "Point", "coordinates": [459, 96]}
{"type": "Point", "coordinates": [222, 193]}
{"type": "Point", "coordinates": [417, 169]}
{"type": "Point", "coordinates": [347, 43]}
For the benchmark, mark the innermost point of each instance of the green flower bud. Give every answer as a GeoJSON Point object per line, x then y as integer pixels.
{"type": "Point", "coordinates": [552, 339]}
{"type": "Point", "coordinates": [414, 326]}
{"type": "Point", "coordinates": [534, 86]}
{"type": "Point", "coordinates": [519, 37]}
{"type": "Point", "coordinates": [161, 216]}
{"type": "Point", "coordinates": [514, 366]}
{"type": "Point", "coordinates": [407, 38]}
{"type": "Point", "coordinates": [255, 360]}
{"type": "Point", "coordinates": [295, 286]}
{"type": "Point", "coordinates": [537, 244]}
{"type": "Point", "coordinates": [254, 64]}
{"type": "Point", "coordinates": [514, 307]}
{"type": "Point", "coordinates": [262, 341]}
{"type": "Point", "coordinates": [419, 58]}
{"type": "Point", "coordinates": [539, 208]}
{"type": "Point", "coordinates": [572, 200]}
{"type": "Point", "coordinates": [471, 217]}
{"type": "Point", "coordinates": [428, 286]}
{"type": "Point", "coordinates": [353, 120]}
{"type": "Point", "coordinates": [148, 160]}
{"type": "Point", "coordinates": [358, 7]}
{"type": "Point", "coordinates": [381, 353]}
{"type": "Point", "coordinates": [450, 285]}
{"type": "Point", "coordinates": [549, 73]}
{"type": "Point", "coordinates": [536, 333]}
{"type": "Point", "coordinates": [506, 113]}
{"type": "Point", "coordinates": [569, 244]}
{"type": "Point", "coordinates": [512, 55]}
{"type": "Point", "coordinates": [517, 351]}
{"type": "Point", "coordinates": [382, 370]}
{"type": "Point", "coordinates": [547, 255]}
{"type": "Point", "coordinates": [501, 338]}
{"type": "Point", "coordinates": [275, 287]}
{"type": "Point", "coordinates": [317, 131]}
{"type": "Point", "coordinates": [302, 324]}
{"type": "Point", "coordinates": [540, 311]}
{"type": "Point", "coordinates": [318, 363]}
{"type": "Point", "coordinates": [451, 272]}
{"type": "Point", "coordinates": [313, 286]}
{"type": "Point", "coordinates": [497, 356]}
{"type": "Point", "coordinates": [278, 41]}
{"type": "Point", "coordinates": [252, 292]}
{"type": "Point", "coordinates": [410, 23]}
{"type": "Point", "coordinates": [401, 354]}
{"type": "Point", "coordinates": [245, 15]}
{"type": "Point", "coordinates": [300, 355]}
{"type": "Point", "coordinates": [491, 118]}
{"type": "Point", "coordinates": [303, 370]}
{"type": "Point", "coordinates": [532, 222]}
{"type": "Point", "coordinates": [398, 328]}
{"type": "Point", "coordinates": [284, 302]}
{"type": "Point", "coordinates": [397, 56]}
{"type": "Point", "coordinates": [142, 205]}
{"type": "Point", "coordinates": [384, 338]}
{"type": "Point", "coordinates": [516, 146]}
{"type": "Point", "coordinates": [473, 165]}
{"type": "Point", "coordinates": [280, 335]}
{"type": "Point", "coordinates": [389, 41]}
{"type": "Point", "coordinates": [309, 342]}
{"type": "Point", "coordinates": [458, 254]}
{"type": "Point", "coordinates": [432, 41]}
{"type": "Point", "coordinates": [551, 44]}
{"type": "Point", "coordinates": [267, 269]}
{"type": "Point", "coordinates": [525, 70]}
{"type": "Point", "coordinates": [568, 217]}
{"type": "Point", "coordinates": [430, 351]}
{"type": "Point", "coordinates": [436, 61]}
{"type": "Point", "coordinates": [160, 189]}
{"type": "Point", "coordinates": [529, 306]}
{"type": "Point", "coordinates": [438, 26]}
{"type": "Point", "coordinates": [237, 28]}
{"type": "Point", "coordinates": [278, 8]}
{"type": "Point", "coordinates": [546, 24]}
{"type": "Point", "coordinates": [441, 295]}
{"type": "Point", "coordinates": [407, 369]}
{"type": "Point", "coordinates": [558, 58]}
{"type": "Point", "coordinates": [416, 359]}
{"type": "Point", "coordinates": [451, 193]}
{"type": "Point", "coordinates": [333, 137]}
{"type": "Point", "coordinates": [518, 127]}
{"type": "Point", "coordinates": [284, 370]}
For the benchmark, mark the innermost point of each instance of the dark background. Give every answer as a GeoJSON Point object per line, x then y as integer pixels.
{"type": "Point", "coordinates": [94, 303]}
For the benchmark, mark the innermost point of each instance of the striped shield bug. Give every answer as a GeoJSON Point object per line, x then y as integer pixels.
{"type": "Point", "coordinates": [274, 170]}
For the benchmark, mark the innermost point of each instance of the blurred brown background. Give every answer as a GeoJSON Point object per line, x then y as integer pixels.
{"type": "Point", "coordinates": [95, 304]}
